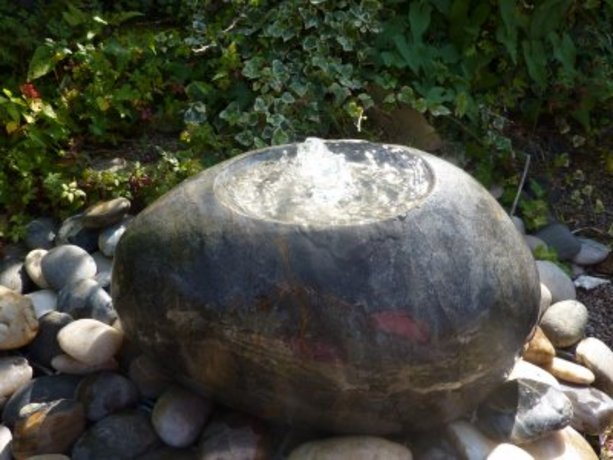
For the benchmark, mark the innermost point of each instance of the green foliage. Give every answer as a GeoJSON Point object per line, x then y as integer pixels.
{"type": "Point", "coordinates": [278, 74]}
{"type": "Point", "coordinates": [95, 76]}
{"type": "Point", "coordinates": [477, 62]}
{"type": "Point", "coordinates": [229, 76]}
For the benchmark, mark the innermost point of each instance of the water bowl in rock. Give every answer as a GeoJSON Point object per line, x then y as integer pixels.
{"type": "Point", "coordinates": [343, 285]}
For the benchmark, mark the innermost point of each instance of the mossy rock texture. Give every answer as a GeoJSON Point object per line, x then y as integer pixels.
{"type": "Point", "coordinates": [377, 327]}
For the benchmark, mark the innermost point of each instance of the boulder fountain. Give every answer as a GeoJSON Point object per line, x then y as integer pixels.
{"type": "Point", "coordinates": [344, 285]}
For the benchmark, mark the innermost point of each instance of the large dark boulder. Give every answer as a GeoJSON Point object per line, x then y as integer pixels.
{"type": "Point", "coordinates": [397, 320]}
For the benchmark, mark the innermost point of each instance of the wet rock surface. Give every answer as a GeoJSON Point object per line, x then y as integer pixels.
{"type": "Point", "coordinates": [341, 314]}
{"type": "Point", "coordinates": [136, 383]}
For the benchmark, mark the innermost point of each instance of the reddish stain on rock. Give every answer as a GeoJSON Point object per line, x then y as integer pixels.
{"type": "Point", "coordinates": [401, 324]}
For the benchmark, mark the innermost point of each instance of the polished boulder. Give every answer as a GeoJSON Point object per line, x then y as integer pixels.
{"type": "Point", "coordinates": [345, 285]}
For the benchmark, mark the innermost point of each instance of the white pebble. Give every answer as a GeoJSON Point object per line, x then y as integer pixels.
{"type": "Point", "coordinates": [90, 341]}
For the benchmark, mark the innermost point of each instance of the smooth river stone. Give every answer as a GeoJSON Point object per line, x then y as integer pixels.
{"type": "Point", "coordinates": [591, 252]}
{"type": "Point", "coordinates": [468, 441]}
{"type": "Point", "coordinates": [5, 443]}
{"type": "Point", "coordinates": [66, 264]}
{"type": "Point", "coordinates": [179, 416]}
{"type": "Point", "coordinates": [351, 447]}
{"type": "Point", "coordinates": [110, 236]}
{"type": "Point", "coordinates": [68, 365]}
{"type": "Point", "coordinates": [592, 408]}
{"type": "Point", "coordinates": [15, 371]}
{"type": "Point", "coordinates": [18, 323]}
{"type": "Point", "coordinates": [33, 269]}
{"type": "Point", "coordinates": [50, 427]}
{"type": "Point", "coordinates": [45, 346]}
{"type": "Point", "coordinates": [564, 323]}
{"type": "Point", "coordinates": [331, 325]}
{"type": "Point", "coordinates": [126, 435]}
{"type": "Point", "coordinates": [73, 232]}
{"type": "Point", "coordinates": [559, 283]}
{"type": "Point", "coordinates": [13, 276]}
{"type": "Point", "coordinates": [506, 451]}
{"type": "Point", "coordinates": [559, 237]}
{"type": "Point", "coordinates": [594, 354]}
{"type": "Point", "coordinates": [41, 389]}
{"type": "Point", "coordinates": [526, 370]}
{"type": "Point", "coordinates": [232, 435]}
{"type": "Point", "coordinates": [545, 300]}
{"type": "Point", "coordinates": [523, 410]}
{"type": "Point", "coordinates": [90, 341]}
{"type": "Point", "coordinates": [539, 350]}
{"type": "Point", "coordinates": [86, 299]}
{"type": "Point", "coordinates": [105, 213]}
{"type": "Point", "coordinates": [40, 233]}
{"type": "Point", "coordinates": [104, 268]}
{"type": "Point", "coordinates": [568, 371]}
{"type": "Point", "coordinates": [565, 444]}
{"type": "Point", "coordinates": [534, 242]}
{"type": "Point", "coordinates": [43, 301]}
{"type": "Point", "coordinates": [105, 393]}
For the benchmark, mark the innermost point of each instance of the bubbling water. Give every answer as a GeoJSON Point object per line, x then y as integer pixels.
{"type": "Point", "coordinates": [326, 183]}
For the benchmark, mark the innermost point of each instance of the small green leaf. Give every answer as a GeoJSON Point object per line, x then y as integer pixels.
{"type": "Point", "coordinates": [44, 60]}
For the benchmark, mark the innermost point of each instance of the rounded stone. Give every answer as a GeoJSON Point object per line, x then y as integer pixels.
{"type": "Point", "coordinates": [179, 416]}
{"type": "Point", "coordinates": [47, 388]}
{"type": "Point", "coordinates": [18, 323]}
{"type": "Point", "coordinates": [105, 393]}
{"type": "Point", "coordinates": [33, 269]}
{"type": "Point", "coordinates": [525, 370]}
{"type": "Point", "coordinates": [523, 410]}
{"type": "Point", "coordinates": [66, 364]}
{"type": "Point", "coordinates": [14, 276]}
{"type": "Point", "coordinates": [45, 346]}
{"type": "Point", "coordinates": [104, 267]}
{"type": "Point", "coordinates": [331, 315]}
{"type": "Point", "coordinates": [50, 427]}
{"type": "Point", "coordinates": [354, 447]}
{"type": "Point", "coordinates": [594, 354]}
{"type": "Point", "coordinates": [564, 322]}
{"type": "Point", "coordinates": [43, 301]}
{"type": "Point", "coordinates": [85, 298]}
{"type": "Point", "coordinates": [231, 434]}
{"type": "Point", "coordinates": [591, 252]}
{"type": "Point", "coordinates": [73, 232]}
{"type": "Point", "coordinates": [90, 341]}
{"type": "Point", "coordinates": [40, 233]}
{"type": "Point", "coordinates": [122, 436]}
{"type": "Point", "coordinates": [559, 283]}
{"type": "Point", "coordinates": [15, 371]}
{"type": "Point", "coordinates": [6, 438]}
{"type": "Point", "coordinates": [110, 236]}
{"type": "Point", "coordinates": [565, 444]}
{"type": "Point", "coordinates": [67, 264]}
{"type": "Point", "coordinates": [568, 371]}
{"type": "Point", "coordinates": [539, 350]}
{"type": "Point", "coordinates": [545, 300]}
{"type": "Point", "coordinates": [534, 242]}
{"type": "Point", "coordinates": [559, 237]}
{"type": "Point", "coordinates": [106, 213]}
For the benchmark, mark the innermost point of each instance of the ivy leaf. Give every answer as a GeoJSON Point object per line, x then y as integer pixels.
{"type": "Point", "coordinates": [45, 59]}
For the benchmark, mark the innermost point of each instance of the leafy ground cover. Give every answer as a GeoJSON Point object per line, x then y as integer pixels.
{"type": "Point", "coordinates": [174, 87]}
